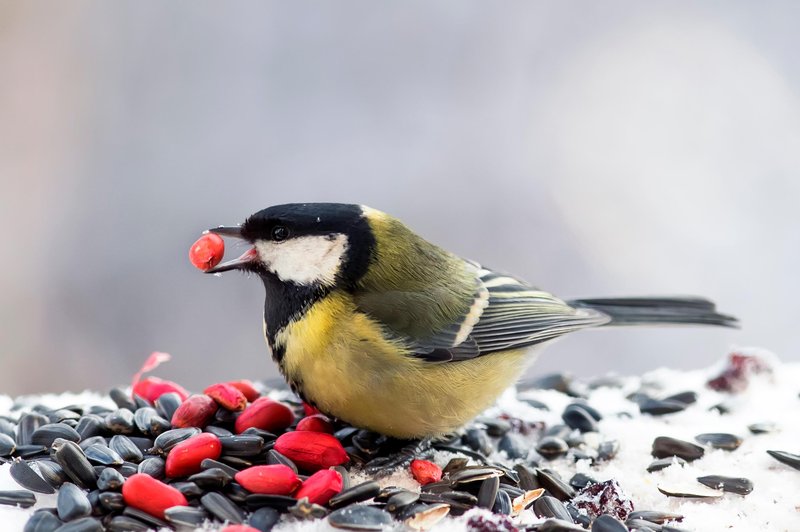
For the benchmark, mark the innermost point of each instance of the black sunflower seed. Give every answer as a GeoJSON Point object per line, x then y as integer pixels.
{"type": "Point", "coordinates": [547, 506]}
{"type": "Point", "coordinates": [718, 440]}
{"type": "Point", "coordinates": [219, 432]}
{"type": "Point", "coordinates": [245, 446]}
{"type": "Point", "coordinates": [470, 474]}
{"type": "Point", "coordinates": [552, 447]}
{"type": "Point", "coordinates": [26, 477]}
{"type": "Point", "coordinates": [550, 481]}
{"type": "Point", "coordinates": [153, 522]}
{"type": "Point", "coordinates": [124, 523]}
{"type": "Point", "coordinates": [7, 445]}
{"type": "Point", "coordinates": [185, 516]}
{"type": "Point", "coordinates": [401, 499]}
{"type": "Point", "coordinates": [122, 399]}
{"type": "Point", "coordinates": [362, 492]}
{"type": "Point", "coordinates": [169, 439]}
{"type": "Point", "coordinates": [762, 428]}
{"type": "Point", "coordinates": [688, 397]}
{"type": "Point", "coordinates": [236, 493]}
{"type": "Point", "coordinates": [153, 466]}
{"type": "Point", "coordinates": [513, 445]}
{"type": "Point", "coordinates": [120, 421]}
{"type": "Point", "coordinates": [487, 493]}
{"type": "Point", "coordinates": [72, 503]}
{"type": "Point", "coordinates": [222, 508]}
{"type": "Point", "coordinates": [502, 504]}
{"type": "Point", "coordinates": [110, 479]}
{"type": "Point", "coordinates": [576, 416]}
{"type": "Point", "coordinates": [23, 498]}
{"type": "Point", "coordinates": [27, 425]}
{"type": "Point", "coordinates": [208, 463]}
{"type": "Point", "coordinates": [91, 440]}
{"type": "Point", "coordinates": [142, 417]}
{"type": "Point", "coordinates": [30, 451]}
{"type": "Point", "coordinates": [52, 472]}
{"type": "Point", "coordinates": [664, 447]}
{"type": "Point", "coordinates": [276, 458]}
{"type": "Point", "coordinates": [125, 448]}
{"type": "Point", "coordinates": [190, 490]}
{"type": "Point", "coordinates": [264, 519]}
{"type": "Point", "coordinates": [663, 463]}
{"type": "Point", "coordinates": [74, 463]}
{"type": "Point", "coordinates": [90, 425]}
{"type": "Point", "coordinates": [279, 502]}
{"type": "Point", "coordinates": [640, 525]}
{"type": "Point", "coordinates": [607, 523]}
{"type": "Point", "coordinates": [655, 516]}
{"type": "Point", "coordinates": [689, 490]}
{"type": "Point", "coordinates": [742, 486]}
{"type": "Point", "coordinates": [42, 521]}
{"type": "Point", "coordinates": [581, 480]}
{"type": "Point", "coordinates": [792, 460]}
{"type": "Point", "coordinates": [111, 501]}
{"type": "Point", "coordinates": [102, 455]}
{"type": "Point", "coordinates": [656, 407]}
{"type": "Point", "coordinates": [455, 464]}
{"type": "Point", "coordinates": [167, 404]}
{"type": "Point", "coordinates": [360, 518]}
{"type": "Point", "coordinates": [211, 479]}
{"type": "Point", "coordinates": [86, 524]}
{"type": "Point", "coordinates": [478, 440]}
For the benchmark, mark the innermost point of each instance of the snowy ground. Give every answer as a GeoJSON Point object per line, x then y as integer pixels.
{"type": "Point", "coordinates": [773, 505]}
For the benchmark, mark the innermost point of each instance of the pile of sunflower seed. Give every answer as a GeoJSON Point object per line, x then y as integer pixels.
{"type": "Point", "coordinates": [85, 453]}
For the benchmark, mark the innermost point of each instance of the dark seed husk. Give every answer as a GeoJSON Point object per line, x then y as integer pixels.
{"type": "Point", "coordinates": [185, 516]}
{"type": "Point", "coordinates": [687, 398]}
{"type": "Point", "coordinates": [474, 474]}
{"type": "Point", "coordinates": [144, 444]}
{"type": "Point", "coordinates": [154, 522]}
{"type": "Point", "coordinates": [792, 460]}
{"type": "Point", "coordinates": [125, 448]}
{"type": "Point", "coordinates": [401, 499]}
{"type": "Point", "coordinates": [547, 506]}
{"type": "Point", "coordinates": [42, 521]}
{"type": "Point", "coordinates": [362, 492]}
{"type": "Point", "coordinates": [513, 445]}
{"type": "Point", "coordinates": [112, 501]}
{"type": "Point", "coordinates": [29, 451]}
{"type": "Point", "coordinates": [237, 462]}
{"type": "Point", "coordinates": [52, 472]}
{"type": "Point", "coordinates": [153, 466]}
{"type": "Point", "coordinates": [74, 463]}
{"type": "Point", "coordinates": [436, 487]}
{"type": "Point", "coordinates": [264, 519]}
{"type": "Point", "coordinates": [140, 401]}
{"type": "Point", "coordinates": [581, 480]}
{"type": "Point", "coordinates": [488, 492]}
{"type": "Point", "coordinates": [527, 477]}
{"type": "Point", "coordinates": [86, 524]}
{"type": "Point", "coordinates": [663, 463]}
{"type": "Point", "coordinates": [657, 407]}
{"type": "Point", "coordinates": [28, 423]}
{"type": "Point", "coordinates": [167, 404]}
{"type": "Point", "coordinates": [211, 479]}
{"type": "Point", "coordinates": [276, 458]}
{"type": "Point", "coordinates": [655, 516]}
{"type": "Point", "coordinates": [222, 508]}
{"type": "Point", "coordinates": [495, 427]}
{"type": "Point", "coordinates": [91, 440]}
{"type": "Point", "coordinates": [219, 432]}
{"type": "Point", "coordinates": [169, 439]}
{"type": "Point", "coordinates": [128, 469]}
{"type": "Point", "coordinates": [120, 421]}
{"type": "Point", "coordinates": [550, 481]}
{"type": "Point", "coordinates": [72, 503]}
{"type": "Point", "coordinates": [142, 417]}
{"type": "Point", "coordinates": [8, 428]}
{"type": "Point", "coordinates": [266, 435]}
{"type": "Point", "coordinates": [360, 517]}
{"type": "Point", "coordinates": [26, 477]}
{"type": "Point", "coordinates": [579, 518]}
{"type": "Point", "coordinates": [242, 445]}
{"type": "Point", "coordinates": [558, 525]}
{"type": "Point", "coordinates": [740, 485]}
{"type": "Point", "coordinates": [640, 525]}
{"type": "Point", "coordinates": [23, 498]}
{"type": "Point", "coordinates": [189, 489]}
{"type": "Point", "coordinates": [608, 450]}
{"type": "Point", "coordinates": [122, 399]}
{"type": "Point", "coordinates": [478, 440]}
{"type": "Point", "coordinates": [718, 440]}
{"type": "Point", "coordinates": [103, 455]}
{"type": "Point", "coordinates": [304, 509]}
{"type": "Point", "coordinates": [552, 447]}
{"type": "Point", "coordinates": [90, 425]}
{"type": "Point", "coordinates": [279, 502]}
{"type": "Point", "coordinates": [762, 428]}
{"type": "Point", "coordinates": [424, 517]}
{"type": "Point", "coordinates": [209, 463]}
{"type": "Point", "coordinates": [689, 490]}
{"type": "Point", "coordinates": [110, 479]}
{"type": "Point", "coordinates": [455, 464]}
{"type": "Point", "coordinates": [236, 493]}
{"type": "Point", "coordinates": [7, 445]}
{"type": "Point", "coordinates": [502, 504]}
{"type": "Point", "coordinates": [607, 523]}
{"type": "Point", "coordinates": [124, 523]}
{"type": "Point", "coordinates": [577, 417]}
{"type": "Point", "coordinates": [664, 446]}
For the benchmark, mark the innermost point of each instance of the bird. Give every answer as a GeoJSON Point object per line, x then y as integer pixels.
{"type": "Point", "coordinates": [377, 327]}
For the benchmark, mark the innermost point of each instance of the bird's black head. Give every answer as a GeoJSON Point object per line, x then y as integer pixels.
{"type": "Point", "coordinates": [320, 244]}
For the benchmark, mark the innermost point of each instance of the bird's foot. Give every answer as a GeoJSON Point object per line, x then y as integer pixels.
{"type": "Point", "coordinates": [383, 466]}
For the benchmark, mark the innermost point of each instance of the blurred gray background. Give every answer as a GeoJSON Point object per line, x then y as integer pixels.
{"type": "Point", "coordinates": [613, 148]}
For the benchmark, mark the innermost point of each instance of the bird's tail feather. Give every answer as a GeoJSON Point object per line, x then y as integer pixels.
{"type": "Point", "coordinates": [657, 310]}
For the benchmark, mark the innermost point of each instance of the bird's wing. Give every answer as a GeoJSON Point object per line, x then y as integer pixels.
{"type": "Point", "coordinates": [504, 313]}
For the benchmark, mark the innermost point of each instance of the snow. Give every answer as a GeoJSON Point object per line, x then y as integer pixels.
{"type": "Point", "coordinates": [774, 504]}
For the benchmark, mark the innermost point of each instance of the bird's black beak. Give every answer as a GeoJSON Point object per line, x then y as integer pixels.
{"type": "Point", "coordinates": [247, 258]}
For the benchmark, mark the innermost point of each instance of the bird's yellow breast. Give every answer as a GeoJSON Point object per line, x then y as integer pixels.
{"type": "Point", "coordinates": [346, 365]}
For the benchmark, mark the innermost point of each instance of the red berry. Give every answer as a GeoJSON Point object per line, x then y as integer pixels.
{"type": "Point", "coordinates": [150, 495]}
{"type": "Point", "coordinates": [184, 459]}
{"type": "Point", "coordinates": [425, 472]}
{"type": "Point", "coordinates": [207, 251]}
{"type": "Point", "coordinates": [227, 396]}
{"type": "Point", "coordinates": [265, 414]}
{"type": "Point", "coordinates": [735, 377]}
{"type": "Point", "coordinates": [309, 410]}
{"type": "Point", "coordinates": [316, 423]}
{"type": "Point", "coordinates": [239, 528]}
{"type": "Point", "coordinates": [247, 388]}
{"type": "Point", "coordinates": [321, 486]}
{"type": "Point", "coordinates": [151, 388]}
{"type": "Point", "coordinates": [269, 479]}
{"type": "Point", "coordinates": [196, 411]}
{"type": "Point", "coordinates": [311, 450]}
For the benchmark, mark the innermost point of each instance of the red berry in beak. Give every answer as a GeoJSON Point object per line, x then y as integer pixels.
{"type": "Point", "coordinates": [269, 479]}
{"type": "Point", "coordinates": [321, 486]}
{"type": "Point", "coordinates": [207, 251]}
{"type": "Point", "coordinates": [196, 411]}
{"type": "Point", "coordinates": [150, 495]}
{"type": "Point", "coordinates": [227, 396]}
{"type": "Point", "coordinates": [265, 414]}
{"type": "Point", "coordinates": [426, 472]}
{"type": "Point", "coordinates": [311, 450]}
{"type": "Point", "coordinates": [184, 459]}
{"type": "Point", "coordinates": [151, 388]}
{"type": "Point", "coordinates": [316, 423]}
{"type": "Point", "coordinates": [247, 388]}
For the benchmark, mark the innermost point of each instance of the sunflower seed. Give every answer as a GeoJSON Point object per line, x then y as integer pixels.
{"type": "Point", "coordinates": [502, 504]}
{"type": "Point", "coordinates": [27, 425]}
{"type": "Point", "coordinates": [153, 522]}
{"type": "Point", "coordinates": [122, 399]}
{"type": "Point", "coordinates": [125, 448]}
{"type": "Point", "coordinates": [401, 499]}
{"type": "Point", "coordinates": [208, 463]}
{"type": "Point", "coordinates": [279, 502]}
{"type": "Point", "coordinates": [655, 517]}
{"type": "Point", "coordinates": [663, 463]}
{"type": "Point", "coordinates": [74, 463]}
{"type": "Point", "coordinates": [219, 432]}
{"type": "Point", "coordinates": [264, 519]}
{"type": "Point", "coordinates": [222, 508]}
{"type": "Point", "coordinates": [276, 458]}
{"type": "Point", "coordinates": [86, 524]}
{"type": "Point", "coordinates": [185, 516]}
{"type": "Point", "coordinates": [91, 440]}
{"type": "Point", "coordinates": [607, 523]}
{"type": "Point", "coordinates": [576, 416]}
{"type": "Point", "coordinates": [689, 490]}
{"type": "Point", "coordinates": [52, 472]}
{"type": "Point", "coordinates": [552, 447]}
{"type": "Point", "coordinates": [90, 425]}
{"type": "Point", "coordinates": [23, 498]}
{"type": "Point", "coordinates": [664, 447]}
{"type": "Point", "coordinates": [110, 479]}
{"type": "Point", "coordinates": [470, 474]}
{"type": "Point", "coordinates": [687, 398]}
{"type": "Point", "coordinates": [792, 460]}
{"type": "Point", "coordinates": [242, 445]}
{"type": "Point", "coordinates": [103, 455]}
{"type": "Point", "coordinates": [717, 440]}
{"type": "Point", "coordinates": [124, 523]}
{"type": "Point", "coordinates": [550, 481]}
{"type": "Point", "coordinates": [762, 428]}
{"type": "Point", "coordinates": [72, 503]}
{"type": "Point", "coordinates": [547, 506]}
{"type": "Point", "coordinates": [153, 466]}
{"type": "Point", "coordinates": [740, 485]}
{"type": "Point", "coordinates": [169, 439]}
{"type": "Point", "coordinates": [581, 480]}
{"type": "Point", "coordinates": [112, 501]}
{"type": "Point", "coordinates": [120, 421]}
{"type": "Point", "coordinates": [189, 489]}
{"type": "Point", "coordinates": [513, 445]}
{"type": "Point", "coordinates": [211, 479]}
{"type": "Point", "coordinates": [656, 407]}
{"type": "Point", "coordinates": [360, 518]}
{"type": "Point", "coordinates": [478, 440]}
{"type": "Point", "coordinates": [7, 445]}
{"type": "Point", "coordinates": [426, 517]}
{"type": "Point", "coordinates": [455, 464]}
{"type": "Point", "coordinates": [488, 492]}
{"type": "Point", "coordinates": [42, 521]}
{"type": "Point", "coordinates": [26, 477]}
{"type": "Point", "coordinates": [362, 492]}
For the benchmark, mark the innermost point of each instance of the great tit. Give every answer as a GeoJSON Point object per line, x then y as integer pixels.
{"type": "Point", "coordinates": [376, 326]}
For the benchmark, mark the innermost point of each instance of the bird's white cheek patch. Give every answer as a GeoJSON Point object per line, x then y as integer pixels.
{"type": "Point", "coordinates": [305, 259]}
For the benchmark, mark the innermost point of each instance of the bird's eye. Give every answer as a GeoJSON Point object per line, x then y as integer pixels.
{"type": "Point", "coordinates": [280, 233]}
